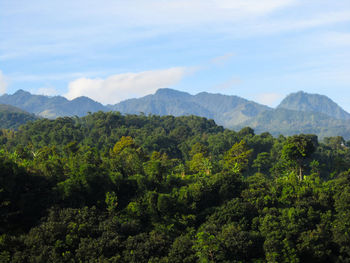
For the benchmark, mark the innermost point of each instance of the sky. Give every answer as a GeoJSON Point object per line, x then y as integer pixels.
{"type": "Point", "coordinates": [112, 50]}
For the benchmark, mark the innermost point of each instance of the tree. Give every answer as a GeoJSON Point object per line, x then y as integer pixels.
{"type": "Point", "coordinates": [298, 149]}
{"type": "Point", "coordinates": [237, 158]}
{"type": "Point", "coordinates": [200, 162]}
{"type": "Point", "coordinates": [262, 162]}
{"type": "Point", "coordinates": [127, 157]}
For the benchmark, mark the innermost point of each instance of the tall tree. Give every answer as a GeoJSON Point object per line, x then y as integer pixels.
{"type": "Point", "coordinates": [298, 149]}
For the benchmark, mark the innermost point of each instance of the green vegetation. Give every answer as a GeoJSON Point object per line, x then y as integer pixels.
{"type": "Point", "coordinates": [12, 117]}
{"type": "Point", "coordinates": [113, 188]}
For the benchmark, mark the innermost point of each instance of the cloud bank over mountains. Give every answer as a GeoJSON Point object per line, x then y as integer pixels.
{"type": "Point", "coordinates": [119, 87]}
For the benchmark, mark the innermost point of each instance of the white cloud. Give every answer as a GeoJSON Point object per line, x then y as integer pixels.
{"type": "Point", "coordinates": [150, 12]}
{"type": "Point", "coordinates": [270, 99]}
{"type": "Point", "coordinates": [124, 86]}
{"type": "Point", "coordinates": [326, 18]}
{"type": "Point", "coordinates": [66, 31]}
{"type": "Point", "coordinates": [197, 12]}
{"type": "Point", "coordinates": [48, 91]}
{"type": "Point", "coordinates": [3, 83]}
{"type": "Point", "coordinates": [110, 22]}
{"type": "Point", "coordinates": [221, 60]}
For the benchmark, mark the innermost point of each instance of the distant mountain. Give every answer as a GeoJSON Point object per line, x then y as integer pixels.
{"type": "Point", "coordinates": [301, 101]}
{"type": "Point", "coordinates": [289, 122]}
{"type": "Point", "coordinates": [51, 107]}
{"type": "Point", "coordinates": [12, 117]}
{"type": "Point", "coordinates": [298, 113]}
{"type": "Point", "coordinates": [225, 110]}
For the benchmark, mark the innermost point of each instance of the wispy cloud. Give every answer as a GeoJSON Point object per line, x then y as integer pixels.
{"type": "Point", "coordinates": [22, 77]}
{"type": "Point", "coordinates": [48, 91]}
{"type": "Point", "coordinates": [221, 60]}
{"type": "Point", "coordinates": [150, 12]}
{"type": "Point", "coordinates": [127, 85]}
{"type": "Point", "coordinates": [256, 27]}
{"type": "Point", "coordinates": [315, 20]}
{"type": "Point", "coordinates": [68, 31]}
{"type": "Point", "coordinates": [334, 39]}
{"type": "Point", "coordinates": [3, 83]}
{"type": "Point", "coordinates": [75, 26]}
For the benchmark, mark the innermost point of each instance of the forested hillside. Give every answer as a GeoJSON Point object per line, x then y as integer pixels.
{"type": "Point", "coordinates": [113, 188]}
{"type": "Point", "coordinates": [12, 117]}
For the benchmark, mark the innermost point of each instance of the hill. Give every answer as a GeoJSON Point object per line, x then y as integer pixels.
{"type": "Point", "coordinates": [51, 107]}
{"type": "Point", "coordinates": [12, 117]}
{"type": "Point", "coordinates": [133, 188]}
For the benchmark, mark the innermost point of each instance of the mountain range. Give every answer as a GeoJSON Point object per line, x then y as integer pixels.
{"type": "Point", "coordinates": [225, 110]}
{"type": "Point", "coordinates": [51, 107]}
{"type": "Point", "coordinates": [299, 112]}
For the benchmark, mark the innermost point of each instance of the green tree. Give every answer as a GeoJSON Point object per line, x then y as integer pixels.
{"type": "Point", "coordinates": [297, 150]}
{"type": "Point", "coordinates": [262, 162]}
{"type": "Point", "coordinates": [127, 158]}
{"type": "Point", "coordinates": [237, 158]}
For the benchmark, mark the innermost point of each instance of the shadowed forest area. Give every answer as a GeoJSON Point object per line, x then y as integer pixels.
{"type": "Point", "coordinates": [133, 188]}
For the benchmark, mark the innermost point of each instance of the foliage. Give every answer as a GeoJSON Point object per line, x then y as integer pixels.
{"type": "Point", "coordinates": [115, 188]}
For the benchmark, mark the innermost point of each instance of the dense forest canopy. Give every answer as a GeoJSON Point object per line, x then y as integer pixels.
{"type": "Point", "coordinates": [133, 188]}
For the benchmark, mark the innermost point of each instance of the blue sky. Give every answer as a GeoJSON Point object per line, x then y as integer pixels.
{"type": "Point", "coordinates": [111, 50]}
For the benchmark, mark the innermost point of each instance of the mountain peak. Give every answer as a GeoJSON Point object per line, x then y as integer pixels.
{"type": "Point", "coordinates": [21, 92]}
{"type": "Point", "coordinates": [82, 99]}
{"type": "Point", "coordinates": [171, 93]}
{"type": "Point", "coordinates": [51, 107]}
{"type": "Point", "coordinates": [303, 101]}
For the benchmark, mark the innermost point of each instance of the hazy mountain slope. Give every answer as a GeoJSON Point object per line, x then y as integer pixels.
{"type": "Point", "coordinates": [12, 117]}
{"type": "Point", "coordinates": [225, 110]}
{"type": "Point", "coordinates": [229, 110]}
{"type": "Point", "coordinates": [51, 107]}
{"type": "Point", "coordinates": [289, 122]}
{"type": "Point", "coordinates": [298, 113]}
{"type": "Point", "coordinates": [163, 102]}
{"type": "Point", "coordinates": [302, 101]}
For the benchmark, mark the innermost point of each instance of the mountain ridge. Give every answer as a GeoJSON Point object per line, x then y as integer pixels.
{"type": "Point", "coordinates": [290, 122]}
{"type": "Point", "coordinates": [299, 112]}
{"type": "Point", "coordinates": [309, 102]}
{"type": "Point", "coordinates": [51, 107]}
{"type": "Point", "coordinates": [226, 110]}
